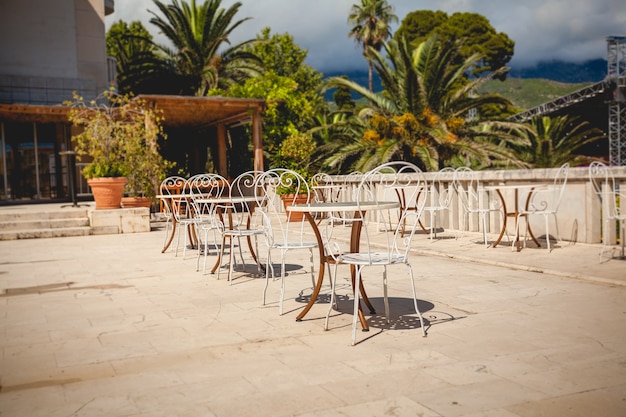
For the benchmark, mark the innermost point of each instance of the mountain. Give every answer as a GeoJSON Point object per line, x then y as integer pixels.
{"type": "Point", "coordinates": [592, 71]}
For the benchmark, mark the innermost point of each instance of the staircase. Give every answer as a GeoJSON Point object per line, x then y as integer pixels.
{"type": "Point", "coordinates": [43, 222]}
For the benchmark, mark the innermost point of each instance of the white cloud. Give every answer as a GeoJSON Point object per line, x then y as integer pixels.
{"type": "Point", "coordinates": [572, 30]}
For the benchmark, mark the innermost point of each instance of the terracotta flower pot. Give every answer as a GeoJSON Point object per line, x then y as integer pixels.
{"type": "Point", "coordinates": [288, 199]}
{"type": "Point", "coordinates": [107, 191]}
{"type": "Point", "coordinates": [128, 202]}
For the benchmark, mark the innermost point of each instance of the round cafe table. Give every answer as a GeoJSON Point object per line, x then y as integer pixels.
{"type": "Point", "coordinates": [515, 211]}
{"type": "Point", "coordinates": [359, 209]}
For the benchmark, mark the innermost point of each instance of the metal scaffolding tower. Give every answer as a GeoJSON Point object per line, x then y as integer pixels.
{"type": "Point", "coordinates": [616, 76]}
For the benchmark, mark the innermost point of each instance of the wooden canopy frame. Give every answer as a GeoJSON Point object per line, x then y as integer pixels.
{"type": "Point", "coordinates": [178, 111]}
{"type": "Point", "coordinates": [221, 112]}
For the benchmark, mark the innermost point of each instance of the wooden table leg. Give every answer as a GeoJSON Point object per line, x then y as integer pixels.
{"type": "Point", "coordinates": [320, 274]}
{"type": "Point", "coordinates": [354, 246]}
{"type": "Point", "coordinates": [504, 217]}
{"type": "Point", "coordinates": [169, 240]}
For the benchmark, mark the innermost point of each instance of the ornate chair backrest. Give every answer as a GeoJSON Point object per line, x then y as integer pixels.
{"type": "Point", "coordinates": [323, 188]}
{"type": "Point", "coordinates": [607, 188]}
{"type": "Point", "coordinates": [171, 186]}
{"type": "Point", "coordinates": [439, 190]}
{"type": "Point", "coordinates": [549, 199]}
{"type": "Point", "coordinates": [242, 208]}
{"type": "Point", "coordinates": [204, 187]}
{"type": "Point", "coordinates": [466, 187]}
{"type": "Point", "coordinates": [369, 196]}
{"type": "Point", "coordinates": [275, 189]}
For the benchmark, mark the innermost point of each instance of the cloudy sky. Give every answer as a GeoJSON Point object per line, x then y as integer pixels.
{"type": "Point", "coordinates": [569, 30]}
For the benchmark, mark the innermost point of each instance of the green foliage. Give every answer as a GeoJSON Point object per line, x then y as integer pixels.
{"type": "Point", "coordinates": [120, 135]}
{"type": "Point", "coordinates": [423, 115]}
{"type": "Point", "coordinates": [139, 68]}
{"type": "Point", "coordinates": [290, 87]}
{"type": "Point", "coordinates": [295, 153]}
{"type": "Point", "coordinates": [554, 141]}
{"type": "Point", "coordinates": [202, 54]}
{"type": "Point", "coordinates": [371, 22]}
{"type": "Point", "coordinates": [471, 31]}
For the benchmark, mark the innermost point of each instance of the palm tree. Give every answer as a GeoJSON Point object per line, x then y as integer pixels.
{"type": "Point", "coordinates": [198, 32]}
{"type": "Point", "coordinates": [423, 115]}
{"type": "Point", "coordinates": [371, 20]}
{"type": "Point", "coordinates": [553, 141]}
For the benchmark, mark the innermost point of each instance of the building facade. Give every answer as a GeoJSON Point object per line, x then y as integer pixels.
{"type": "Point", "coordinates": [48, 50]}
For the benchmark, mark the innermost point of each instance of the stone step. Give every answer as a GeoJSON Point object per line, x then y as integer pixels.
{"type": "Point", "coordinates": [32, 222]}
{"type": "Point", "coordinates": [17, 225]}
{"type": "Point", "coordinates": [20, 223]}
{"type": "Point", "coordinates": [16, 214]}
{"type": "Point", "coordinates": [45, 233]}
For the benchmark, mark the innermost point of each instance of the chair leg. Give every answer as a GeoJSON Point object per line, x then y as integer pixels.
{"type": "Point", "coordinates": [547, 220]}
{"type": "Point", "coordinates": [243, 261]}
{"type": "Point", "coordinates": [282, 283]}
{"type": "Point", "coordinates": [333, 301]}
{"type": "Point", "coordinates": [268, 266]}
{"type": "Point", "coordinates": [385, 297]}
{"type": "Point", "coordinates": [417, 310]}
{"type": "Point", "coordinates": [355, 317]}
{"type": "Point", "coordinates": [221, 256]}
{"type": "Point", "coordinates": [559, 239]}
{"type": "Point", "coordinates": [604, 237]}
{"type": "Point", "coordinates": [198, 253]}
{"type": "Point", "coordinates": [231, 261]}
{"type": "Point", "coordinates": [484, 215]}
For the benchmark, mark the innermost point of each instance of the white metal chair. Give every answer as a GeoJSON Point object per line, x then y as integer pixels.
{"type": "Point", "coordinates": [437, 197]}
{"type": "Point", "coordinates": [283, 230]}
{"type": "Point", "coordinates": [203, 187]}
{"type": "Point", "coordinates": [613, 199]}
{"type": "Point", "coordinates": [169, 186]}
{"type": "Point", "coordinates": [544, 201]}
{"type": "Point", "coordinates": [375, 247]}
{"type": "Point", "coordinates": [475, 202]}
{"type": "Point", "coordinates": [239, 219]}
{"type": "Point", "coordinates": [181, 209]}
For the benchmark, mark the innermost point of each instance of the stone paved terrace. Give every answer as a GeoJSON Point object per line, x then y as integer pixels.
{"type": "Point", "coordinates": [107, 325]}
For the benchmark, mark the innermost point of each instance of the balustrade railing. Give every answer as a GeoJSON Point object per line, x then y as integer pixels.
{"type": "Point", "coordinates": [580, 213]}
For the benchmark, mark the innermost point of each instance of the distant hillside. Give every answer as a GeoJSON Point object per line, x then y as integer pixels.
{"type": "Point", "coordinates": [591, 71]}
{"type": "Point", "coordinates": [526, 93]}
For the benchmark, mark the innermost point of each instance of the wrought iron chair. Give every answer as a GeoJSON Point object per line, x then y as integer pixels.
{"type": "Point", "coordinates": [240, 221]}
{"type": "Point", "coordinates": [544, 202]}
{"type": "Point", "coordinates": [203, 188]}
{"type": "Point", "coordinates": [283, 230]}
{"type": "Point", "coordinates": [475, 202]}
{"type": "Point", "coordinates": [437, 198]}
{"type": "Point", "coordinates": [375, 247]}
{"type": "Point", "coordinates": [169, 186]}
{"type": "Point", "coordinates": [613, 199]}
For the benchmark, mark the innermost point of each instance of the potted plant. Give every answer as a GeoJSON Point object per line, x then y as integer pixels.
{"type": "Point", "coordinates": [118, 135]}
{"type": "Point", "coordinates": [295, 153]}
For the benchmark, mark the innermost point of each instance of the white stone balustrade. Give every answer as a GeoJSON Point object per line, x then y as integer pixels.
{"type": "Point", "coordinates": [580, 213]}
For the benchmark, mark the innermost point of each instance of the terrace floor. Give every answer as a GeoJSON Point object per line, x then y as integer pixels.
{"type": "Point", "coordinates": [110, 326]}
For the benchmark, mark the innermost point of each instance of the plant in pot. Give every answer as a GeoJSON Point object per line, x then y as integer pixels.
{"type": "Point", "coordinates": [118, 137]}
{"type": "Point", "coordinates": [295, 153]}
{"type": "Point", "coordinates": [146, 166]}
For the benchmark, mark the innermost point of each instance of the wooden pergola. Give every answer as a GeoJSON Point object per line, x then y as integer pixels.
{"type": "Point", "coordinates": [178, 111]}
{"type": "Point", "coordinates": [221, 112]}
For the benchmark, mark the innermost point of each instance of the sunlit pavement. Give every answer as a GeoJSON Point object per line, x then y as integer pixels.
{"type": "Point", "coordinates": [110, 326]}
